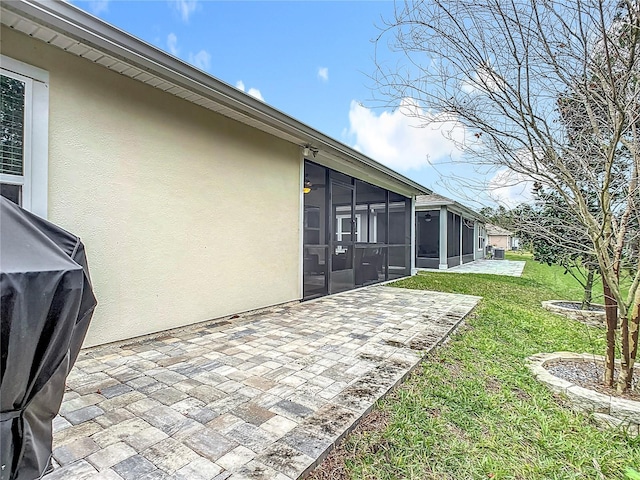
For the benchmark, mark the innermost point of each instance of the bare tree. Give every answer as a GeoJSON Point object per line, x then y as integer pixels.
{"type": "Point", "coordinates": [550, 90]}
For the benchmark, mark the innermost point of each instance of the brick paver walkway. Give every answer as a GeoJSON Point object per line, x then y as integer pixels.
{"type": "Point", "coordinates": [261, 397]}
{"type": "Point", "coordinates": [511, 268]}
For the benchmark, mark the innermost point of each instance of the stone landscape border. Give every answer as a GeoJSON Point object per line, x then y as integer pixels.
{"type": "Point", "coordinates": [593, 318]}
{"type": "Point", "coordinates": [607, 411]}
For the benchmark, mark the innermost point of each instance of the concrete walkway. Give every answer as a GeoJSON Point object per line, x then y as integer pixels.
{"type": "Point", "coordinates": [261, 397]}
{"type": "Point", "coordinates": [511, 268]}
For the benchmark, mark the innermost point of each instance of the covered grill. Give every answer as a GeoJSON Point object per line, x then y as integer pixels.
{"type": "Point", "coordinates": [46, 306]}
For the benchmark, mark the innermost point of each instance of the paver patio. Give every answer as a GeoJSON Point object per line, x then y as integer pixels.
{"type": "Point", "coordinates": [511, 268]}
{"type": "Point", "coordinates": [264, 396]}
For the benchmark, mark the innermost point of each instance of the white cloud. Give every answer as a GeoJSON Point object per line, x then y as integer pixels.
{"type": "Point", "coordinates": [402, 141]}
{"type": "Point", "coordinates": [323, 74]}
{"type": "Point", "coordinates": [99, 6]}
{"type": "Point", "coordinates": [484, 79]}
{"type": "Point", "coordinates": [469, 87]}
{"type": "Point", "coordinates": [185, 8]}
{"type": "Point", "coordinates": [509, 188]}
{"type": "Point", "coordinates": [172, 44]}
{"type": "Point", "coordinates": [254, 92]}
{"type": "Point", "coordinates": [201, 60]}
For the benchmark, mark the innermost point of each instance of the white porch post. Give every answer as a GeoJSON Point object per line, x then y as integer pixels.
{"type": "Point", "coordinates": [476, 234]}
{"type": "Point", "coordinates": [460, 262]}
{"type": "Point", "coordinates": [443, 238]}
{"type": "Point", "coordinates": [414, 270]}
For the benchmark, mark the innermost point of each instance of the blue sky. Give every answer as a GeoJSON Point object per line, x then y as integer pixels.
{"type": "Point", "coordinates": [310, 59]}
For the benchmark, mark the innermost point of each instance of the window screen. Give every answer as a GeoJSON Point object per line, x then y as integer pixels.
{"type": "Point", "coordinates": [453, 235]}
{"type": "Point", "coordinates": [428, 234]}
{"type": "Point", "coordinates": [468, 239]}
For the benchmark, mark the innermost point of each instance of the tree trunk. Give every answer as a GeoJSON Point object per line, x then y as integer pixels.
{"type": "Point", "coordinates": [588, 288]}
{"type": "Point", "coordinates": [629, 332]}
{"type": "Point", "coordinates": [611, 310]}
{"type": "Point", "coordinates": [625, 363]}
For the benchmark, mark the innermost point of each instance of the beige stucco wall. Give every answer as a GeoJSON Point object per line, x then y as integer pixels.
{"type": "Point", "coordinates": [500, 241]}
{"type": "Point", "coordinates": [186, 215]}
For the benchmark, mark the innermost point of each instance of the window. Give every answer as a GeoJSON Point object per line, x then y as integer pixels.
{"type": "Point", "coordinates": [24, 117]}
{"type": "Point", "coordinates": [481, 235]}
{"type": "Point", "coordinates": [343, 227]}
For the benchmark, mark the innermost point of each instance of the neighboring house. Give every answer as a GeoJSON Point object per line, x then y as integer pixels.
{"type": "Point", "coordinates": [498, 237]}
{"type": "Point", "coordinates": [447, 233]}
{"type": "Point", "coordinates": [195, 201]}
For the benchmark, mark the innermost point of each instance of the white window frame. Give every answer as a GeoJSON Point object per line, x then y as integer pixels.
{"type": "Point", "coordinates": [481, 238]}
{"type": "Point", "coordinates": [34, 181]}
{"type": "Point", "coordinates": [358, 224]}
{"type": "Point", "coordinates": [373, 226]}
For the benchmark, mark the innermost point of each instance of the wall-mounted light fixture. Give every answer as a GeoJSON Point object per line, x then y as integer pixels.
{"type": "Point", "coordinates": [427, 217]}
{"type": "Point", "coordinates": [309, 150]}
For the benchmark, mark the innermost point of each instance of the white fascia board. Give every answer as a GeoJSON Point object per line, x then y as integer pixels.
{"type": "Point", "coordinates": [452, 206]}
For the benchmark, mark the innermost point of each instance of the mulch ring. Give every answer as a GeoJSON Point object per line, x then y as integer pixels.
{"type": "Point", "coordinates": [578, 306]}
{"type": "Point", "coordinates": [589, 375]}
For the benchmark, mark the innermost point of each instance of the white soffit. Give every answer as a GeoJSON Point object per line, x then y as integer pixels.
{"type": "Point", "coordinates": [96, 56]}
{"type": "Point", "coordinates": [56, 30]}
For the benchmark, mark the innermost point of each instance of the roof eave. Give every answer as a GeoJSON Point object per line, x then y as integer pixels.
{"type": "Point", "coordinates": [88, 30]}
{"type": "Point", "coordinates": [454, 205]}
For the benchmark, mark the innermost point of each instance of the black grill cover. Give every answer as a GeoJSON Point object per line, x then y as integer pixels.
{"type": "Point", "coordinates": [46, 305]}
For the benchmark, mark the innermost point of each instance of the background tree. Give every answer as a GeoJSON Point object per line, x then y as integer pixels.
{"type": "Point", "coordinates": [500, 216]}
{"type": "Point", "coordinates": [556, 237]}
{"type": "Point", "coordinates": [548, 90]}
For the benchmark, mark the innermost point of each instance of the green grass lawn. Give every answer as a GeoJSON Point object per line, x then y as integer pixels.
{"type": "Point", "coordinates": [474, 410]}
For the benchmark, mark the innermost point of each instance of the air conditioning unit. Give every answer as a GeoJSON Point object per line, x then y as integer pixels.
{"type": "Point", "coordinates": [498, 253]}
